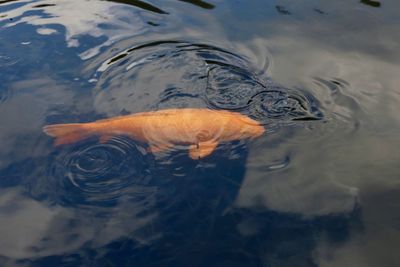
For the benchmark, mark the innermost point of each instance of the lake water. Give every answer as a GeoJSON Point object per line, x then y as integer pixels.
{"type": "Point", "coordinates": [321, 187]}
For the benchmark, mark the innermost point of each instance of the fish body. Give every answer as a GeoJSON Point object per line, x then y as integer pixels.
{"type": "Point", "coordinates": [199, 129]}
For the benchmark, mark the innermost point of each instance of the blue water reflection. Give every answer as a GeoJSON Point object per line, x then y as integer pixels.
{"type": "Point", "coordinates": [319, 188]}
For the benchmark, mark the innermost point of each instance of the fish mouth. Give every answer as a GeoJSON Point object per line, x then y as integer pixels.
{"type": "Point", "coordinates": [260, 131]}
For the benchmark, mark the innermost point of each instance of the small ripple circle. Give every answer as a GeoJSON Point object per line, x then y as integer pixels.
{"type": "Point", "coordinates": [100, 174]}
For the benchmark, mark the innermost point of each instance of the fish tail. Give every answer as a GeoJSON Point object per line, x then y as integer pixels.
{"type": "Point", "coordinates": [67, 133]}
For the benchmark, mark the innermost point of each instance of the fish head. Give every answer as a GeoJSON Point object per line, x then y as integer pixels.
{"type": "Point", "coordinates": [252, 131]}
{"type": "Point", "coordinates": [250, 128]}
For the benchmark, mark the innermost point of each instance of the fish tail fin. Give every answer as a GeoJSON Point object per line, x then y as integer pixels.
{"type": "Point", "coordinates": [67, 133]}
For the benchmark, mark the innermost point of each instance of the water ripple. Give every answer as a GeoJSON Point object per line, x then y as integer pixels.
{"type": "Point", "coordinates": [340, 112]}
{"type": "Point", "coordinates": [7, 61]}
{"type": "Point", "coordinates": [196, 75]}
{"type": "Point", "coordinates": [284, 106]}
{"type": "Point", "coordinates": [99, 174]}
{"type": "Point", "coordinates": [142, 5]}
{"type": "Point", "coordinates": [343, 109]}
{"type": "Point", "coordinates": [230, 87]}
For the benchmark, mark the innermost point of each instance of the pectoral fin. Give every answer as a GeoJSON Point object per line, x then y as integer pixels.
{"type": "Point", "coordinates": [202, 149]}
{"type": "Point", "coordinates": [105, 138]}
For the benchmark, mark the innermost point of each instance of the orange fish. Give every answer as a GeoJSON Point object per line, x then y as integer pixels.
{"type": "Point", "coordinates": [199, 129]}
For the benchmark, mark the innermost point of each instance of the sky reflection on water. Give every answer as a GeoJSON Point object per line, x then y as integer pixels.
{"type": "Point", "coordinates": [308, 193]}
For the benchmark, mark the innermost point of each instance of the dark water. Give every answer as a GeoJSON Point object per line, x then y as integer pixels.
{"type": "Point", "coordinates": [320, 188]}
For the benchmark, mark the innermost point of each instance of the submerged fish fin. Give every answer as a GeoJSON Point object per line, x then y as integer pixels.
{"type": "Point", "coordinates": [67, 133]}
{"type": "Point", "coordinates": [157, 148]}
{"type": "Point", "coordinates": [202, 149]}
{"type": "Point", "coordinates": [105, 138]}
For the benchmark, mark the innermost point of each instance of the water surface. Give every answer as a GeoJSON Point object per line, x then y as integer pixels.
{"type": "Point", "coordinates": [320, 188]}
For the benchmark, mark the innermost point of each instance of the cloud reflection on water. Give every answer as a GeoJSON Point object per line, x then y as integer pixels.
{"type": "Point", "coordinates": [332, 170]}
{"type": "Point", "coordinates": [97, 19]}
{"type": "Point", "coordinates": [33, 229]}
{"type": "Point", "coordinates": [346, 167]}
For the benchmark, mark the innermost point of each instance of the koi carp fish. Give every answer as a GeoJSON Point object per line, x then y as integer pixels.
{"type": "Point", "coordinates": [201, 130]}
